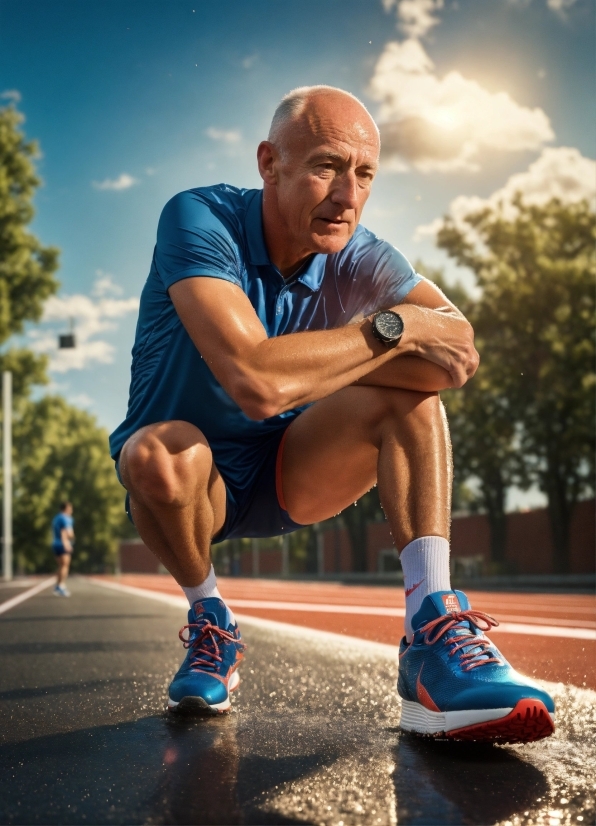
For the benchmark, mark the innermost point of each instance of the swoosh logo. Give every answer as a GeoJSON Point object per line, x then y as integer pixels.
{"type": "Point", "coordinates": [423, 696]}
{"type": "Point", "coordinates": [413, 588]}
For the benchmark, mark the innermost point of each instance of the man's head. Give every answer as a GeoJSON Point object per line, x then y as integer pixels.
{"type": "Point", "coordinates": [66, 508]}
{"type": "Point", "coordinates": [318, 165]}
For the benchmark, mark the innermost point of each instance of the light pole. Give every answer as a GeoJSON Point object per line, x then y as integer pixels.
{"type": "Point", "coordinates": [7, 475]}
{"type": "Point", "coordinates": [65, 341]}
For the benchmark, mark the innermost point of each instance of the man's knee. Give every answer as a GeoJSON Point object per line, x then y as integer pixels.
{"type": "Point", "coordinates": [411, 405]}
{"type": "Point", "coordinates": [164, 463]}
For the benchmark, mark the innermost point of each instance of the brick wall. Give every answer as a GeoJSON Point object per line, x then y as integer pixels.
{"type": "Point", "coordinates": [529, 545]}
{"type": "Point", "coordinates": [136, 558]}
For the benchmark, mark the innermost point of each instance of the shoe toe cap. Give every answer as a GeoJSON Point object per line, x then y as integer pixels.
{"type": "Point", "coordinates": [198, 684]}
{"type": "Point", "coordinates": [500, 695]}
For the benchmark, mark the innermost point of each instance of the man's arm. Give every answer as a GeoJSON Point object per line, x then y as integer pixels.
{"type": "Point", "coordinates": [267, 376]}
{"type": "Point", "coordinates": [66, 534]}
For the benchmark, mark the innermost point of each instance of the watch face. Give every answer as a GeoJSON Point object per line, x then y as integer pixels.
{"type": "Point", "coordinates": [389, 325]}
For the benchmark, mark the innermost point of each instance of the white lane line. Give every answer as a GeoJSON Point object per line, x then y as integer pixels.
{"type": "Point", "coordinates": [314, 607]}
{"type": "Point", "coordinates": [385, 611]}
{"type": "Point", "coordinates": [169, 599]}
{"type": "Point", "coordinates": [364, 647]}
{"type": "Point", "coordinates": [545, 631]}
{"type": "Point", "coordinates": [274, 625]}
{"type": "Point", "coordinates": [319, 607]}
{"type": "Point", "coordinates": [10, 603]}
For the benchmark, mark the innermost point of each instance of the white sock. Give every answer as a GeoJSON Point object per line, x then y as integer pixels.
{"type": "Point", "coordinates": [425, 563]}
{"type": "Point", "coordinates": [205, 590]}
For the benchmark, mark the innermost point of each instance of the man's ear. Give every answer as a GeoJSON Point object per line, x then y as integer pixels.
{"type": "Point", "coordinates": [266, 157]}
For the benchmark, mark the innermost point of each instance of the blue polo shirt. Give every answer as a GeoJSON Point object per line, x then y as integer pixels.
{"type": "Point", "coordinates": [217, 232]}
{"type": "Point", "coordinates": [59, 523]}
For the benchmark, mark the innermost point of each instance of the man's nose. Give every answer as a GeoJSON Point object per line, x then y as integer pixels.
{"type": "Point", "coordinates": [345, 191]}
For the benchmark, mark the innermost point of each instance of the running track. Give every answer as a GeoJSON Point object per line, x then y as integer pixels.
{"type": "Point", "coordinates": [547, 636]}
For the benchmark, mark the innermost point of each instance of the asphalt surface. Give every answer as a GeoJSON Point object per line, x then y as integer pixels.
{"type": "Point", "coordinates": [313, 737]}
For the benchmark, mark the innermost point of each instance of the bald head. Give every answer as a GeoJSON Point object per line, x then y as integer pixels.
{"type": "Point", "coordinates": [310, 111]}
{"type": "Point", "coordinates": [317, 167]}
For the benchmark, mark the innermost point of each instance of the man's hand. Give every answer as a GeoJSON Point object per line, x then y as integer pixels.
{"type": "Point", "coordinates": [437, 332]}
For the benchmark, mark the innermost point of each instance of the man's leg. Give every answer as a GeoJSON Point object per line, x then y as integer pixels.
{"type": "Point", "coordinates": [178, 503]}
{"type": "Point", "coordinates": [452, 679]}
{"type": "Point", "coordinates": [336, 451]}
{"type": "Point", "coordinates": [177, 496]}
{"type": "Point", "coordinates": [63, 566]}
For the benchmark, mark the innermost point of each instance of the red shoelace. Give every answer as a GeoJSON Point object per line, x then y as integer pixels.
{"type": "Point", "coordinates": [468, 659]}
{"type": "Point", "coordinates": [205, 647]}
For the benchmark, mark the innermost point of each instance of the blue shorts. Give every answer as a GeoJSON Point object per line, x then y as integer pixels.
{"type": "Point", "coordinates": [255, 504]}
{"type": "Point", "coordinates": [60, 550]}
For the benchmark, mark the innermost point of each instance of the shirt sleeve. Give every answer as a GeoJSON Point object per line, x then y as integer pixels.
{"type": "Point", "coordinates": [194, 239]}
{"type": "Point", "coordinates": [374, 275]}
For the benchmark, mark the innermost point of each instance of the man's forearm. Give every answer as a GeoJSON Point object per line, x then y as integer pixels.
{"type": "Point", "coordinates": [409, 373]}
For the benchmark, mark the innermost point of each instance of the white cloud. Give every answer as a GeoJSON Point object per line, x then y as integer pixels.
{"type": "Point", "coordinates": [90, 317]}
{"type": "Point", "coordinates": [104, 285]}
{"type": "Point", "coordinates": [561, 172]}
{"type": "Point", "coordinates": [224, 135]}
{"type": "Point", "coordinates": [123, 181]}
{"type": "Point", "coordinates": [12, 94]}
{"type": "Point", "coordinates": [441, 124]}
{"type": "Point", "coordinates": [250, 60]}
{"type": "Point", "coordinates": [415, 17]}
{"type": "Point", "coordinates": [560, 5]}
{"type": "Point", "coordinates": [81, 400]}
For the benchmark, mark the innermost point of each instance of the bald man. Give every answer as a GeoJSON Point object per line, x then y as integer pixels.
{"type": "Point", "coordinates": [286, 360]}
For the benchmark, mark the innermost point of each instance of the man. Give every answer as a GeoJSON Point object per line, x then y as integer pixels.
{"type": "Point", "coordinates": [62, 546]}
{"type": "Point", "coordinates": [286, 360]}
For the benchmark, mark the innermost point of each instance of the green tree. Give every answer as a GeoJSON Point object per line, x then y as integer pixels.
{"type": "Point", "coordinates": [481, 426]}
{"type": "Point", "coordinates": [26, 267]}
{"type": "Point", "coordinates": [535, 325]}
{"type": "Point", "coordinates": [356, 519]}
{"type": "Point", "coordinates": [61, 454]}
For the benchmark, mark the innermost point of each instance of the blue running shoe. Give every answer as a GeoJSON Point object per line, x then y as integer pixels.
{"type": "Point", "coordinates": [208, 674]}
{"type": "Point", "coordinates": [454, 682]}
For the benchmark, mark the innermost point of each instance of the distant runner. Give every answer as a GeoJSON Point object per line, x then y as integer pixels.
{"type": "Point", "coordinates": [286, 360]}
{"type": "Point", "coordinates": [63, 546]}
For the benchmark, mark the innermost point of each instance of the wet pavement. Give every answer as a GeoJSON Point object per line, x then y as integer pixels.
{"type": "Point", "coordinates": [313, 737]}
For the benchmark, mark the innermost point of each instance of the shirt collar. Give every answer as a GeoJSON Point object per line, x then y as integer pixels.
{"type": "Point", "coordinates": [257, 251]}
{"type": "Point", "coordinates": [312, 272]}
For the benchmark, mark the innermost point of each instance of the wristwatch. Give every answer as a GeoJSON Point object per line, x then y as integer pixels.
{"type": "Point", "coordinates": [388, 327]}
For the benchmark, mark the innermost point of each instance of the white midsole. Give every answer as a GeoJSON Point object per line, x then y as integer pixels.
{"type": "Point", "coordinates": [415, 717]}
{"type": "Point", "coordinates": [225, 704]}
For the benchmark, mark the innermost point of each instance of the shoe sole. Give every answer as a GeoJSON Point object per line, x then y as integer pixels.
{"type": "Point", "coordinates": [529, 720]}
{"type": "Point", "coordinates": [198, 707]}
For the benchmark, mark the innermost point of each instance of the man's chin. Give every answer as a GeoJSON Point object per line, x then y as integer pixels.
{"type": "Point", "coordinates": [331, 242]}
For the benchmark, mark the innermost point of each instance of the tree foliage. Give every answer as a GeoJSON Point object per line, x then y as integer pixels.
{"type": "Point", "coordinates": [482, 429]}
{"type": "Point", "coordinates": [59, 452]}
{"type": "Point", "coordinates": [26, 267]}
{"type": "Point", "coordinates": [535, 333]}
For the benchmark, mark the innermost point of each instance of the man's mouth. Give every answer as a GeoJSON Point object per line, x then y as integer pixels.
{"type": "Point", "coordinates": [336, 221]}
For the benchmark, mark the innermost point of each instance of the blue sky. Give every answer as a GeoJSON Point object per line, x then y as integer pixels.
{"type": "Point", "coordinates": [133, 101]}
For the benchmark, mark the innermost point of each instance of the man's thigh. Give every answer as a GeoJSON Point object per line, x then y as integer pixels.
{"type": "Point", "coordinates": [331, 452]}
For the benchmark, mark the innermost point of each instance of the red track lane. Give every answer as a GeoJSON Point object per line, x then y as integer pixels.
{"type": "Point", "coordinates": [556, 659]}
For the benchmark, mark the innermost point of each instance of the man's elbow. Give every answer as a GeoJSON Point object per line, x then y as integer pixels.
{"type": "Point", "coordinates": [259, 399]}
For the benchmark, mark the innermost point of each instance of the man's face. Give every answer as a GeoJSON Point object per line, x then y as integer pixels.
{"type": "Point", "coordinates": [68, 510]}
{"type": "Point", "coordinates": [324, 175]}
